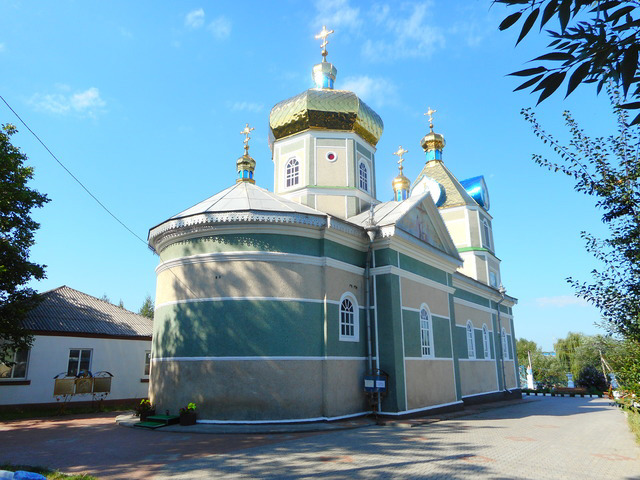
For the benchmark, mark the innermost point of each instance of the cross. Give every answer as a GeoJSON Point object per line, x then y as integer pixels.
{"type": "Point", "coordinates": [324, 34]}
{"type": "Point", "coordinates": [246, 132]}
{"type": "Point", "coordinates": [399, 153]}
{"type": "Point", "coordinates": [430, 113]}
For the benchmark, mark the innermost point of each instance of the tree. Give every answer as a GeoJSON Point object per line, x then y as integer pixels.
{"type": "Point", "coordinates": [147, 308]}
{"type": "Point", "coordinates": [608, 169]}
{"type": "Point", "coordinates": [597, 39]}
{"type": "Point", "coordinates": [523, 347]}
{"type": "Point", "coordinates": [16, 237]}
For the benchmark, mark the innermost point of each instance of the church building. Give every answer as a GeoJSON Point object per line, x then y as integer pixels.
{"type": "Point", "coordinates": [275, 306]}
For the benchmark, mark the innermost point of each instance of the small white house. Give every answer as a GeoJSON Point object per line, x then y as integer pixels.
{"type": "Point", "coordinates": [75, 333]}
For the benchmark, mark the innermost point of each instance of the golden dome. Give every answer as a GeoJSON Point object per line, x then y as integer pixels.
{"type": "Point", "coordinates": [432, 141]}
{"type": "Point", "coordinates": [326, 109]}
{"type": "Point", "coordinates": [400, 183]}
{"type": "Point", "coordinates": [245, 168]}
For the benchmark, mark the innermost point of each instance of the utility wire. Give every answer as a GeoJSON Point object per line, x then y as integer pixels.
{"type": "Point", "coordinates": [92, 195]}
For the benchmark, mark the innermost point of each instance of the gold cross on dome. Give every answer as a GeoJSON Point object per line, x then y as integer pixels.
{"type": "Point", "coordinates": [324, 34]}
{"type": "Point", "coordinates": [399, 153]}
{"type": "Point", "coordinates": [430, 113]}
{"type": "Point", "coordinates": [246, 132]}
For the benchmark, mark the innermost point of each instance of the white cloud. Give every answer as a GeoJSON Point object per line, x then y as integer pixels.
{"type": "Point", "coordinates": [337, 14]}
{"type": "Point", "coordinates": [83, 103]}
{"type": "Point", "coordinates": [246, 106]}
{"type": "Point", "coordinates": [560, 301]}
{"type": "Point", "coordinates": [220, 27]}
{"type": "Point", "coordinates": [195, 18]}
{"type": "Point", "coordinates": [409, 36]}
{"type": "Point", "coordinates": [377, 91]}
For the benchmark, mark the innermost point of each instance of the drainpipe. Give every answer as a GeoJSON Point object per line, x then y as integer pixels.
{"type": "Point", "coordinates": [371, 232]}
{"type": "Point", "coordinates": [502, 291]}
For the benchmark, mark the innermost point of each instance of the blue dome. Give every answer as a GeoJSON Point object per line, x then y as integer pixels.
{"type": "Point", "coordinates": [476, 187]}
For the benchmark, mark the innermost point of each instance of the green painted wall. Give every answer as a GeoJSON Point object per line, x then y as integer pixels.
{"type": "Point", "coordinates": [441, 337]}
{"type": "Point", "coordinates": [338, 348]}
{"type": "Point", "coordinates": [419, 268]}
{"type": "Point", "coordinates": [264, 242]}
{"type": "Point", "coordinates": [479, 343]}
{"type": "Point", "coordinates": [472, 297]}
{"type": "Point", "coordinates": [389, 316]}
{"type": "Point", "coordinates": [386, 256]}
{"type": "Point", "coordinates": [456, 363]}
{"type": "Point", "coordinates": [497, 354]}
{"type": "Point", "coordinates": [460, 342]}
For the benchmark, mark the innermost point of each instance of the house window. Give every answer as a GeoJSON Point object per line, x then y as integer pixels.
{"type": "Point", "coordinates": [147, 362]}
{"type": "Point", "coordinates": [426, 334]}
{"type": "Point", "coordinates": [485, 341]}
{"type": "Point", "coordinates": [348, 318]}
{"type": "Point", "coordinates": [79, 362]}
{"type": "Point", "coordinates": [331, 156]}
{"type": "Point", "coordinates": [487, 235]}
{"type": "Point", "coordinates": [18, 369]}
{"type": "Point", "coordinates": [493, 279]}
{"type": "Point", "coordinates": [292, 173]}
{"type": "Point", "coordinates": [471, 343]}
{"type": "Point", "coordinates": [505, 351]}
{"type": "Point", "coordinates": [364, 177]}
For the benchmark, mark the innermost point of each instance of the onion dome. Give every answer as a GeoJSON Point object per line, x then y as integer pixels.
{"type": "Point", "coordinates": [324, 108]}
{"type": "Point", "coordinates": [245, 165]}
{"type": "Point", "coordinates": [432, 143]}
{"type": "Point", "coordinates": [476, 187]}
{"type": "Point", "coordinates": [401, 183]}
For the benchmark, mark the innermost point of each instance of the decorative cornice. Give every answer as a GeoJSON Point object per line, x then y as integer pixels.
{"type": "Point", "coordinates": [205, 222]}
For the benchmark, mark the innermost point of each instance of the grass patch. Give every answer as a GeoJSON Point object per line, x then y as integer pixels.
{"type": "Point", "coordinates": [634, 423]}
{"type": "Point", "coordinates": [47, 472]}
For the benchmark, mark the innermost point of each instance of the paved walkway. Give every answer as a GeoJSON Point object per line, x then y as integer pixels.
{"type": "Point", "coordinates": [543, 438]}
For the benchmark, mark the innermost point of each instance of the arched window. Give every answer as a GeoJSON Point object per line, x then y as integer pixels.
{"type": "Point", "coordinates": [348, 318]}
{"type": "Point", "coordinates": [426, 332]}
{"type": "Point", "coordinates": [485, 341]}
{"type": "Point", "coordinates": [364, 177]}
{"type": "Point", "coordinates": [471, 341]}
{"type": "Point", "coordinates": [292, 173]}
{"type": "Point", "coordinates": [505, 350]}
{"type": "Point", "coordinates": [487, 234]}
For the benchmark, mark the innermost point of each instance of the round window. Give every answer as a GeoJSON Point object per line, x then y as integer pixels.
{"type": "Point", "coordinates": [331, 156]}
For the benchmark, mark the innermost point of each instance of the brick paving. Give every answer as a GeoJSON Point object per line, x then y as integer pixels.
{"type": "Point", "coordinates": [542, 438]}
{"type": "Point", "coordinates": [547, 438]}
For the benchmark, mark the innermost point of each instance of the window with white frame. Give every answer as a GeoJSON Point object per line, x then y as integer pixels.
{"type": "Point", "coordinates": [147, 362]}
{"type": "Point", "coordinates": [79, 361]}
{"type": "Point", "coordinates": [426, 332]}
{"type": "Point", "coordinates": [505, 350]}
{"type": "Point", "coordinates": [348, 318]}
{"type": "Point", "coordinates": [471, 342]}
{"type": "Point", "coordinates": [16, 365]}
{"type": "Point", "coordinates": [292, 173]}
{"type": "Point", "coordinates": [364, 177]}
{"type": "Point", "coordinates": [487, 234]}
{"type": "Point", "coordinates": [486, 345]}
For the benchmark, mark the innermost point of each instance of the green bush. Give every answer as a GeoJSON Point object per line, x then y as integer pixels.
{"type": "Point", "coordinates": [591, 377]}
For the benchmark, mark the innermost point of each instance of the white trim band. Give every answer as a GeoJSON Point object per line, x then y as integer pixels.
{"type": "Point", "coordinates": [393, 270]}
{"type": "Point", "coordinates": [293, 420]}
{"type": "Point", "coordinates": [423, 409]}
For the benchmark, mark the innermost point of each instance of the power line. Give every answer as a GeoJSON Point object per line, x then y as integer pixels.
{"type": "Point", "coordinates": [92, 195]}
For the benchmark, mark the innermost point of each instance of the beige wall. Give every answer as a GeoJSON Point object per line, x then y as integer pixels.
{"type": "Point", "coordinates": [509, 368]}
{"type": "Point", "coordinates": [477, 317]}
{"type": "Point", "coordinates": [332, 173]}
{"type": "Point", "coordinates": [478, 376]}
{"type": "Point", "coordinates": [240, 279]}
{"type": "Point", "coordinates": [429, 382]}
{"type": "Point", "coordinates": [415, 294]}
{"type": "Point", "coordinates": [269, 390]}
{"type": "Point", "coordinates": [334, 205]}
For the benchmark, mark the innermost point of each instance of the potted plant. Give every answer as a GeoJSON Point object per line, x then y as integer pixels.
{"type": "Point", "coordinates": [188, 414]}
{"type": "Point", "coordinates": [145, 409]}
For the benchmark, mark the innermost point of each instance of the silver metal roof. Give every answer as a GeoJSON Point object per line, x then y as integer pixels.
{"type": "Point", "coordinates": [246, 196]}
{"type": "Point", "coordinates": [66, 310]}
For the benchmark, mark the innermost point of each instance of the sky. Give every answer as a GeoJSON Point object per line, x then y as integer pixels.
{"type": "Point", "coordinates": [144, 102]}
